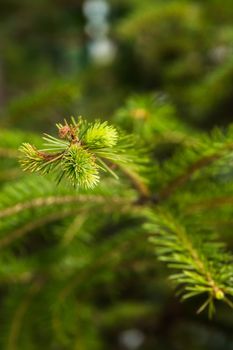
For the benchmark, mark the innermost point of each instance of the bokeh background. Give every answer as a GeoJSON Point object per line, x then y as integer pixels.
{"type": "Point", "coordinates": [63, 57]}
{"type": "Point", "coordinates": [103, 58]}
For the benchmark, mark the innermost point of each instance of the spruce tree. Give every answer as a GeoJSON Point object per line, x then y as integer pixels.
{"type": "Point", "coordinates": [116, 232]}
{"type": "Point", "coordinates": [93, 177]}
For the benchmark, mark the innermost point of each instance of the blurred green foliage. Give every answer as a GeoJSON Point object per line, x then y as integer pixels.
{"type": "Point", "coordinates": [82, 275]}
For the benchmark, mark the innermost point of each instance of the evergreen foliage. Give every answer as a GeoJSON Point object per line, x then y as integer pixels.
{"type": "Point", "coordinates": [82, 149]}
{"type": "Point", "coordinates": [116, 228]}
{"type": "Point", "coordinates": [160, 203]}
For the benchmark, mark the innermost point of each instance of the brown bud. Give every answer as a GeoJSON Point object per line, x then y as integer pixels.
{"type": "Point", "coordinates": [64, 131]}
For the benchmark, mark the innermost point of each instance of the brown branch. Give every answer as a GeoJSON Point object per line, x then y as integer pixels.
{"type": "Point", "coordinates": [57, 200]}
{"type": "Point", "coordinates": [210, 203]}
{"type": "Point", "coordinates": [28, 227]}
{"type": "Point", "coordinates": [20, 232]}
{"type": "Point", "coordinates": [180, 180]}
{"type": "Point", "coordinates": [137, 182]}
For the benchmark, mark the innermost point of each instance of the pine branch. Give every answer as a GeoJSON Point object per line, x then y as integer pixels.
{"type": "Point", "coordinates": [20, 312]}
{"type": "Point", "coordinates": [34, 224]}
{"type": "Point", "coordinates": [202, 264]}
{"type": "Point", "coordinates": [10, 140]}
{"type": "Point", "coordinates": [217, 147]}
{"type": "Point", "coordinates": [34, 202]}
{"type": "Point", "coordinates": [80, 152]}
{"type": "Point", "coordinates": [155, 120]}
